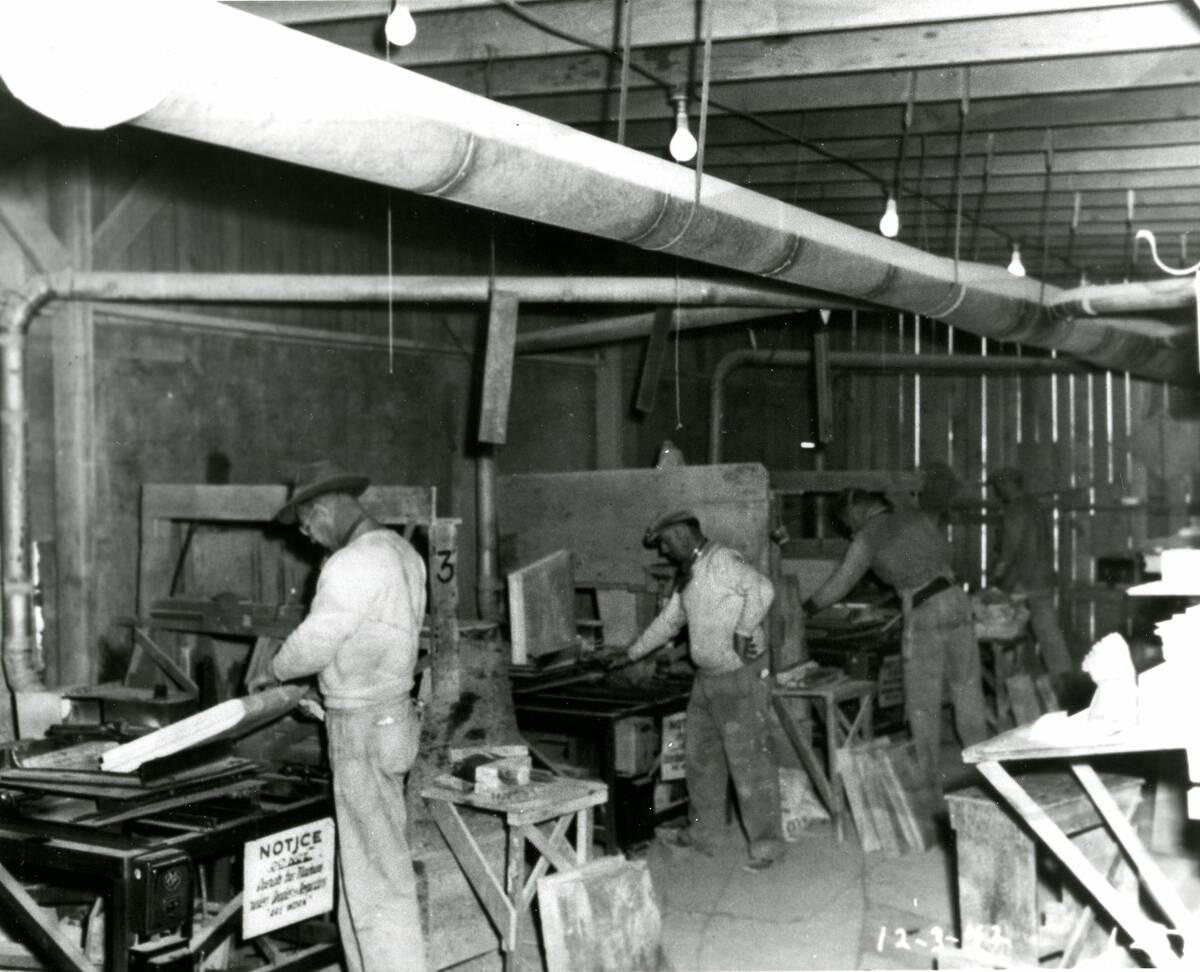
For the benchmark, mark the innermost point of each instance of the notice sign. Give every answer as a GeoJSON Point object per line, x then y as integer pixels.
{"type": "Point", "coordinates": [673, 763]}
{"type": "Point", "coordinates": [287, 877]}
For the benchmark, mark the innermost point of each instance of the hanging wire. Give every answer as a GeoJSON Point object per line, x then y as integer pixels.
{"type": "Point", "coordinates": [964, 108]}
{"type": "Point", "coordinates": [706, 75]}
{"type": "Point", "coordinates": [517, 10]}
{"type": "Point", "coordinates": [905, 124]}
{"type": "Point", "coordinates": [1129, 237]}
{"type": "Point", "coordinates": [1048, 149]}
{"type": "Point", "coordinates": [705, 79]}
{"type": "Point", "coordinates": [922, 213]}
{"type": "Point", "coordinates": [390, 318]}
{"type": "Point", "coordinates": [706, 69]}
{"type": "Point", "coordinates": [1074, 225]}
{"type": "Point", "coordinates": [678, 322]}
{"type": "Point", "coordinates": [982, 197]}
{"type": "Point", "coordinates": [626, 42]}
{"type": "Point", "coordinates": [391, 328]}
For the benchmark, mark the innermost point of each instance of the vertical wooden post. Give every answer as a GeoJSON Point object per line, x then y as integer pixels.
{"type": "Point", "coordinates": [823, 386]}
{"type": "Point", "coordinates": [75, 473]}
{"type": "Point", "coordinates": [12, 276]}
{"type": "Point", "coordinates": [610, 411]}
{"type": "Point", "coordinates": [498, 368]}
{"type": "Point", "coordinates": [656, 349]}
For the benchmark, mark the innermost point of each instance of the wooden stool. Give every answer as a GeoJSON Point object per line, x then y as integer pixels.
{"type": "Point", "coordinates": [548, 801]}
{"type": "Point", "coordinates": [998, 901]}
{"type": "Point", "coordinates": [842, 728]}
{"type": "Point", "coordinates": [1000, 658]}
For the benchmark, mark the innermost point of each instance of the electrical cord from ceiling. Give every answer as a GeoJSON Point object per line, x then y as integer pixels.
{"type": "Point", "coordinates": [517, 10]}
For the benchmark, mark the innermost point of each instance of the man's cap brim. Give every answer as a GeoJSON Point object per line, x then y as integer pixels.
{"type": "Point", "coordinates": [654, 531]}
{"type": "Point", "coordinates": [352, 485]}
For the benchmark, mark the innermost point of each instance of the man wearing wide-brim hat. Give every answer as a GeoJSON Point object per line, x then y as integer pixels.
{"type": "Point", "coordinates": [360, 640]}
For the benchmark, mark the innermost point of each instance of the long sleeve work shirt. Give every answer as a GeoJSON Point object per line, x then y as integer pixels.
{"type": "Point", "coordinates": [361, 635]}
{"type": "Point", "coordinates": [723, 596]}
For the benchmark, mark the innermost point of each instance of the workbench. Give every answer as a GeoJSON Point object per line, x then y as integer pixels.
{"type": "Point", "coordinates": [588, 715]}
{"type": "Point", "coordinates": [1003, 907]}
{"type": "Point", "coordinates": [845, 709]}
{"type": "Point", "coordinates": [142, 850]}
{"type": "Point", "coordinates": [1024, 743]}
{"type": "Point", "coordinates": [539, 814]}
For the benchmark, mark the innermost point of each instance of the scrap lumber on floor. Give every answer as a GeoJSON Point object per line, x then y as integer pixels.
{"type": "Point", "coordinates": [891, 800]}
{"type": "Point", "coordinates": [602, 916]}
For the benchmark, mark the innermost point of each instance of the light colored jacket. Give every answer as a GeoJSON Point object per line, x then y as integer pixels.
{"type": "Point", "coordinates": [724, 596]}
{"type": "Point", "coordinates": [361, 635]}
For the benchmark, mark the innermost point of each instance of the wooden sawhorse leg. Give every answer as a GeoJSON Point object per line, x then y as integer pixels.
{"type": "Point", "coordinates": [1146, 935]}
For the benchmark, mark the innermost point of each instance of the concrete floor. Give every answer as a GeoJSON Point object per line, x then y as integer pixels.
{"type": "Point", "coordinates": [825, 906]}
{"type": "Point", "coordinates": [828, 905]}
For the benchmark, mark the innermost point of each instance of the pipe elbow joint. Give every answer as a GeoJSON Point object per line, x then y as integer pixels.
{"type": "Point", "coordinates": [25, 303]}
{"type": "Point", "coordinates": [19, 667]}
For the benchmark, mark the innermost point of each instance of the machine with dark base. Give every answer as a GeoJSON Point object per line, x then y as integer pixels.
{"type": "Point", "coordinates": [144, 849]}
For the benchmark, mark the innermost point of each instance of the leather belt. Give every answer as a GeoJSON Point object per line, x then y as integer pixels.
{"type": "Point", "coordinates": [935, 586]}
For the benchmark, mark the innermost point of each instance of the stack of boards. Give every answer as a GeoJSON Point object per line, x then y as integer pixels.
{"type": "Point", "coordinates": [892, 800]}
{"type": "Point", "coordinates": [230, 718]}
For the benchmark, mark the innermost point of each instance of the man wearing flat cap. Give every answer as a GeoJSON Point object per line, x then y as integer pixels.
{"type": "Point", "coordinates": [1025, 564]}
{"type": "Point", "coordinates": [723, 601]}
{"type": "Point", "coordinates": [360, 640]}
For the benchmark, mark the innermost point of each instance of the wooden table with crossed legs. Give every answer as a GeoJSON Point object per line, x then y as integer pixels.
{"type": "Point", "coordinates": [842, 728]}
{"type": "Point", "coordinates": [538, 814]}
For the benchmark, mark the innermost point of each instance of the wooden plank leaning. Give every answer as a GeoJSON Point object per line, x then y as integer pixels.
{"type": "Point", "coordinates": [1147, 935]}
{"type": "Point", "coordinates": [30, 917]}
{"type": "Point", "coordinates": [1151, 874]}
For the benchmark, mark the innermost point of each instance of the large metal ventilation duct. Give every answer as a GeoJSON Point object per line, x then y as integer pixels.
{"type": "Point", "coordinates": [209, 72]}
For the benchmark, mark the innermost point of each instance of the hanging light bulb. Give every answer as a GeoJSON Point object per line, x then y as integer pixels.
{"type": "Point", "coordinates": [400, 29]}
{"type": "Point", "coordinates": [683, 143]}
{"type": "Point", "coordinates": [889, 223]}
{"type": "Point", "coordinates": [1015, 266]}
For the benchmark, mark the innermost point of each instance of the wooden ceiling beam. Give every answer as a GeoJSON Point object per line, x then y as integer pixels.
{"type": "Point", "coordinates": [1133, 106]}
{"type": "Point", "coordinates": [467, 35]}
{"type": "Point", "coordinates": [1099, 138]}
{"type": "Point", "coordinates": [1157, 27]}
{"type": "Point", "coordinates": [1060, 212]}
{"type": "Point", "coordinates": [1144, 160]}
{"type": "Point", "coordinates": [942, 188]}
{"type": "Point", "coordinates": [1101, 74]}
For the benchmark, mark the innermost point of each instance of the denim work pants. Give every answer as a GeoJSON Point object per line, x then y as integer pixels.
{"type": "Point", "coordinates": [370, 750]}
{"type": "Point", "coordinates": [940, 647]}
{"type": "Point", "coordinates": [728, 733]}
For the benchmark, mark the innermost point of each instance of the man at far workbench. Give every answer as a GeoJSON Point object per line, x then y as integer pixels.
{"type": "Point", "coordinates": [1025, 546]}
{"type": "Point", "coordinates": [908, 553]}
{"type": "Point", "coordinates": [723, 601]}
{"type": "Point", "coordinates": [360, 640]}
